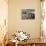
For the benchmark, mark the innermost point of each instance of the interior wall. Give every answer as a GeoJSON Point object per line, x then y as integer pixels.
{"type": "Point", "coordinates": [15, 21]}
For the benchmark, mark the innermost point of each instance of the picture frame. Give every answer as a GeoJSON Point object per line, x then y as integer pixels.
{"type": "Point", "coordinates": [27, 14]}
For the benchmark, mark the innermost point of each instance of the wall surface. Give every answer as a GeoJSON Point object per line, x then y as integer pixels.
{"type": "Point", "coordinates": [15, 21]}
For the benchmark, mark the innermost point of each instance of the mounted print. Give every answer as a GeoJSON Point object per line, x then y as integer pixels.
{"type": "Point", "coordinates": [28, 14]}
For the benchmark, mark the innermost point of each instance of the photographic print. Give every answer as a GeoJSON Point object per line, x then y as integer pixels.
{"type": "Point", "coordinates": [28, 14]}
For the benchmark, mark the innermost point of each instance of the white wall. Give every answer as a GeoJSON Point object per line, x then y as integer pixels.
{"type": "Point", "coordinates": [15, 21]}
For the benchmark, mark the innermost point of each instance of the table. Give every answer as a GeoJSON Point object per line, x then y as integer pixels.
{"type": "Point", "coordinates": [32, 42]}
{"type": "Point", "coordinates": [35, 42]}
{"type": "Point", "coordinates": [10, 44]}
{"type": "Point", "coordinates": [28, 44]}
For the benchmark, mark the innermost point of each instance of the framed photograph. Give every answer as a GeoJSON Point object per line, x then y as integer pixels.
{"type": "Point", "coordinates": [28, 14]}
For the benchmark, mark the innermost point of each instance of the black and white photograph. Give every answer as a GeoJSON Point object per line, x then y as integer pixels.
{"type": "Point", "coordinates": [28, 14]}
